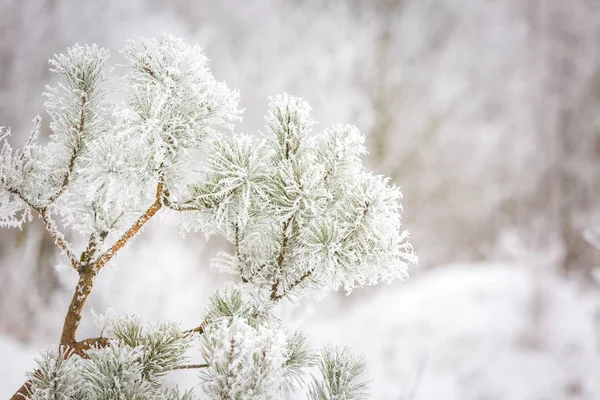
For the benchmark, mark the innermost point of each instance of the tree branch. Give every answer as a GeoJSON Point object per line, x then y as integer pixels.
{"type": "Point", "coordinates": [59, 238]}
{"type": "Point", "coordinates": [24, 199]}
{"type": "Point", "coordinates": [90, 269]}
{"type": "Point", "coordinates": [73, 317]}
{"type": "Point", "coordinates": [297, 282]}
{"type": "Point", "coordinates": [199, 329]}
{"type": "Point", "coordinates": [176, 206]}
{"type": "Point", "coordinates": [78, 348]}
{"type": "Point", "coordinates": [80, 128]}
{"type": "Point", "coordinates": [131, 232]}
{"type": "Point", "coordinates": [191, 366]}
{"type": "Point", "coordinates": [81, 347]}
{"type": "Point", "coordinates": [280, 258]}
{"type": "Point", "coordinates": [87, 271]}
{"type": "Point", "coordinates": [50, 227]}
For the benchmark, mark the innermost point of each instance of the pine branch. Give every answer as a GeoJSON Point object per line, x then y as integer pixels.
{"type": "Point", "coordinates": [66, 179]}
{"type": "Point", "coordinates": [24, 199]}
{"type": "Point", "coordinates": [80, 129]}
{"type": "Point", "coordinates": [73, 317]}
{"type": "Point", "coordinates": [90, 250]}
{"type": "Point", "coordinates": [238, 253]}
{"type": "Point", "coordinates": [199, 329]}
{"type": "Point", "coordinates": [131, 232]}
{"type": "Point", "coordinates": [280, 259]}
{"type": "Point", "coordinates": [50, 227]}
{"type": "Point", "coordinates": [79, 348]}
{"type": "Point", "coordinates": [297, 282]}
{"type": "Point", "coordinates": [59, 238]}
{"type": "Point", "coordinates": [176, 206]}
{"type": "Point", "coordinates": [91, 269]}
{"type": "Point", "coordinates": [191, 366]}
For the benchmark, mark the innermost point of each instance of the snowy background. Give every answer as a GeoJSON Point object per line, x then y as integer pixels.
{"type": "Point", "coordinates": [486, 113]}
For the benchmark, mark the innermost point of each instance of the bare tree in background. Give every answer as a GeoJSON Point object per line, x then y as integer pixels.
{"type": "Point", "coordinates": [566, 71]}
{"type": "Point", "coordinates": [32, 249]}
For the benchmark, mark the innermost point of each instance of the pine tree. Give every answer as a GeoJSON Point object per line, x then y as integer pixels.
{"type": "Point", "coordinates": [302, 214]}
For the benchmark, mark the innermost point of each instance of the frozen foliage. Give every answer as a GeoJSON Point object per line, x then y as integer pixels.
{"type": "Point", "coordinates": [249, 354]}
{"type": "Point", "coordinates": [301, 211]}
{"type": "Point", "coordinates": [423, 349]}
{"type": "Point", "coordinates": [341, 376]}
{"type": "Point", "coordinates": [244, 361]}
{"type": "Point", "coordinates": [131, 366]}
{"type": "Point", "coordinates": [302, 214]}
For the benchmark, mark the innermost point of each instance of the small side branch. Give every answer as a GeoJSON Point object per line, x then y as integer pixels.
{"type": "Point", "coordinates": [176, 206]}
{"type": "Point", "coordinates": [80, 128]}
{"type": "Point", "coordinates": [280, 258]}
{"type": "Point", "coordinates": [59, 238]}
{"type": "Point", "coordinates": [199, 329]}
{"type": "Point", "coordinates": [131, 232]}
{"type": "Point", "coordinates": [81, 347]}
{"type": "Point", "coordinates": [78, 348]}
{"type": "Point", "coordinates": [191, 366]}
{"type": "Point", "coordinates": [297, 282]}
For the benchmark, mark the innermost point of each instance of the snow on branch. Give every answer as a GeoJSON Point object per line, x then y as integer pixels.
{"type": "Point", "coordinates": [303, 214]}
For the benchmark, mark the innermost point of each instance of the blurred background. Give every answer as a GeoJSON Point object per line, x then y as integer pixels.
{"type": "Point", "coordinates": [486, 114]}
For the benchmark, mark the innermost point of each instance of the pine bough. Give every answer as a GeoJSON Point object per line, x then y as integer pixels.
{"type": "Point", "coordinates": [302, 214]}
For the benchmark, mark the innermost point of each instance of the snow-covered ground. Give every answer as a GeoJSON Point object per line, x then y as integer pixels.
{"type": "Point", "coordinates": [475, 332]}
{"type": "Point", "coordinates": [15, 360]}
{"type": "Point", "coordinates": [480, 332]}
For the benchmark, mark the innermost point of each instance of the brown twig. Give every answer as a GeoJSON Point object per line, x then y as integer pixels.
{"type": "Point", "coordinates": [89, 270]}
{"type": "Point", "coordinates": [191, 366]}
{"type": "Point", "coordinates": [50, 227]}
{"type": "Point", "coordinates": [199, 329]}
{"type": "Point", "coordinates": [176, 206]}
{"type": "Point", "coordinates": [284, 239]}
{"type": "Point", "coordinates": [131, 232]}
{"type": "Point", "coordinates": [73, 317]}
{"type": "Point", "coordinates": [58, 238]}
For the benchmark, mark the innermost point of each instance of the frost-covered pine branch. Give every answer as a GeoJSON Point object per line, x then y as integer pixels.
{"type": "Point", "coordinates": [303, 216]}
{"type": "Point", "coordinates": [341, 376]}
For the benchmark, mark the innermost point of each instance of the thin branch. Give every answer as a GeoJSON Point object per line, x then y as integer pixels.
{"type": "Point", "coordinates": [50, 227]}
{"type": "Point", "coordinates": [199, 329]}
{"type": "Point", "coordinates": [176, 206]}
{"type": "Point", "coordinates": [90, 250]}
{"type": "Point", "coordinates": [59, 238]}
{"type": "Point", "coordinates": [238, 253]}
{"type": "Point", "coordinates": [66, 179]}
{"type": "Point", "coordinates": [96, 343]}
{"type": "Point", "coordinates": [131, 232]}
{"type": "Point", "coordinates": [191, 366]}
{"type": "Point", "coordinates": [280, 258]}
{"type": "Point", "coordinates": [80, 128]}
{"type": "Point", "coordinates": [297, 282]}
{"type": "Point", "coordinates": [24, 199]}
